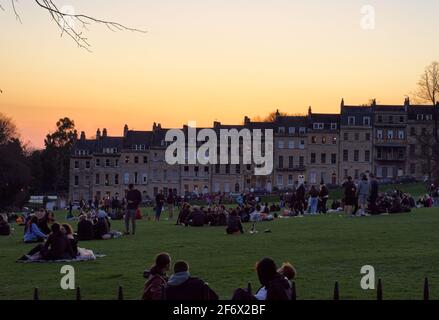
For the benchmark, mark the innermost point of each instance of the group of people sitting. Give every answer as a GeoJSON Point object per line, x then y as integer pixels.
{"type": "Point", "coordinates": [219, 215]}
{"type": "Point", "coordinates": [275, 283]}
{"type": "Point", "coordinates": [96, 226]}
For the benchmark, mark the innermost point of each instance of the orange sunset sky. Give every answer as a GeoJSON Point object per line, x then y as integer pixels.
{"type": "Point", "coordinates": [207, 60]}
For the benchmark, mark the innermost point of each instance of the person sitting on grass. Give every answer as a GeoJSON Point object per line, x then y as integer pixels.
{"type": "Point", "coordinates": [5, 229]}
{"type": "Point", "coordinates": [157, 278]}
{"type": "Point", "coordinates": [256, 214]}
{"type": "Point", "coordinates": [72, 238]}
{"type": "Point", "coordinates": [181, 286]}
{"type": "Point", "coordinates": [196, 218]}
{"type": "Point", "coordinates": [85, 229]}
{"type": "Point", "coordinates": [275, 283]}
{"type": "Point", "coordinates": [183, 214]}
{"type": "Point", "coordinates": [234, 225]}
{"type": "Point", "coordinates": [32, 232]}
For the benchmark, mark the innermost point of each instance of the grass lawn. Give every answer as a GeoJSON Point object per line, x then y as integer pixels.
{"type": "Point", "coordinates": [402, 248]}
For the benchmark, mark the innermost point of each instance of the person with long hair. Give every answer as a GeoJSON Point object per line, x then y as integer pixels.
{"type": "Point", "coordinates": [157, 278]}
{"type": "Point", "coordinates": [32, 232]}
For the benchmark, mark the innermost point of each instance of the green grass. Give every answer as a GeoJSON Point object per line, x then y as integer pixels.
{"type": "Point", "coordinates": [402, 248]}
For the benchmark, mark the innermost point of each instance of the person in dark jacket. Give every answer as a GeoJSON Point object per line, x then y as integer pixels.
{"type": "Point", "coordinates": [323, 198]}
{"type": "Point", "coordinates": [181, 286]}
{"type": "Point", "coordinates": [234, 224]}
{"type": "Point", "coordinates": [350, 196]}
{"type": "Point", "coordinates": [373, 196]}
{"type": "Point", "coordinates": [72, 238]}
{"type": "Point", "coordinates": [196, 218]}
{"type": "Point", "coordinates": [184, 213]}
{"type": "Point", "coordinates": [57, 246]}
{"type": "Point", "coordinates": [5, 229]}
{"type": "Point", "coordinates": [157, 278]}
{"type": "Point", "coordinates": [85, 229]}
{"type": "Point", "coordinates": [159, 203]}
{"type": "Point", "coordinates": [134, 198]}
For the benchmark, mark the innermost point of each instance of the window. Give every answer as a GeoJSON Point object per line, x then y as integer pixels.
{"type": "Point", "coordinates": [145, 159]}
{"type": "Point", "coordinates": [280, 180]}
{"type": "Point", "coordinates": [136, 159]}
{"type": "Point", "coordinates": [291, 162]}
{"type": "Point", "coordinates": [357, 136]}
{"type": "Point", "coordinates": [379, 134]}
{"type": "Point", "coordinates": [98, 162]}
{"type": "Point", "coordinates": [217, 168]}
{"type": "Point", "coordinates": [356, 155]}
{"type": "Point", "coordinates": [366, 121]}
{"type": "Point", "coordinates": [281, 162]}
{"type": "Point", "coordinates": [401, 135]}
{"type": "Point", "coordinates": [357, 173]}
{"type": "Point", "coordinates": [136, 176]}
{"type": "Point", "coordinates": [116, 163]}
{"type": "Point", "coordinates": [76, 164]}
{"type": "Point", "coordinates": [390, 134]}
{"type": "Point", "coordinates": [301, 161]}
{"type": "Point", "coordinates": [281, 130]}
{"type": "Point", "coordinates": [97, 179]}
{"type": "Point", "coordinates": [318, 126]}
{"type": "Point", "coordinates": [302, 144]}
{"type": "Point", "coordinates": [290, 180]}
{"type": "Point", "coordinates": [76, 180]}
{"type": "Point", "coordinates": [390, 119]}
{"type": "Point", "coordinates": [345, 155]}
{"type": "Point", "coordinates": [346, 136]}
{"type": "Point", "coordinates": [107, 162]}
{"type": "Point", "coordinates": [127, 159]}
{"type": "Point", "coordinates": [351, 121]}
{"type": "Point", "coordinates": [280, 144]}
{"type": "Point", "coordinates": [87, 164]}
{"type": "Point", "coordinates": [380, 119]}
{"type": "Point", "coordinates": [333, 126]}
{"type": "Point", "coordinates": [313, 177]}
{"type": "Point", "coordinates": [126, 178]}
{"type": "Point", "coordinates": [367, 155]}
{"type": "Point", "coordinates": [334, 158]}
{"type": "Point", "coordinates": [302, 130]}
{"type": "Point", "coordinates": [227, 168]}
{"type": "Point", "coordinates": [401, 119]}
{"type": "Point", "coordinates": [428, 117]}
{"type": "Point", "coordinates": [419, 117]}
{"type": "Point", "coordinates": [313, 139]}
{"type": "Point", "coordinates": [323, 140]}
{"type": "Point", "coordinates": [144, 178]}
{"type": "Point", "coordinates": [116, 179]}
{"type": "Point", "coordinates": [291, 130]}
{"type": "Point", "coordinates": [107, 179]}
{"type": "Point", "coordinates": [291, 144]}
{"type": "Point", "coordinates": [367, 136]}
{"type": "Point", "coordinates": [313, 158]}
{"type": "Point", "coordinates": [323, 158]}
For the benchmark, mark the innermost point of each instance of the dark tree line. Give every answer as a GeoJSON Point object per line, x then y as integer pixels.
{"type": "Point", "coordinates": [25, 172]}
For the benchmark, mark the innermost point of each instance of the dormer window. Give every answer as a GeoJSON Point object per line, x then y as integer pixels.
{"type": "Point", "coordinates": [318, 126]}
{"type": "Point", "coordinates": [428, 117]}
{"type": "Point", "coordinates": [281, 130]}
{"type": "Point", "coordinates": [302, 130]}
{"type": "Point", "coordinates": [366, 121]}
{"type": "Point", "coordinates": [291, 130]}
{"type": "Point", "coordinates": [333, 126]}
{"type": "Point", "coordinates": [351, 121]}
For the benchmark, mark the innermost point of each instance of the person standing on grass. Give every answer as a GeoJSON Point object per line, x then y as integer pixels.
{"type": "Point", "coordinates": [170, 202]}
{"type": "Point", "coordinates": [159, 202]}
{"type": "Point", "coordinates": [134, 198]}
{"type": "Point", "coordinates": [373, 196]}
{"type": "Point", "coordinates": [323, 196]}
{"type": "Point", "coordinates": [313, 200]}
{"type": "Point", "coordinates": [363, 193]}
{"type": "Point", "coordinates": [350, 196]}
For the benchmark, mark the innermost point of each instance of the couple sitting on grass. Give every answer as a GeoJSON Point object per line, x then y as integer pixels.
{"type": "Point", "coordinates": [60, 244]}
{"type": "Point", "coordinates": [275, 283]}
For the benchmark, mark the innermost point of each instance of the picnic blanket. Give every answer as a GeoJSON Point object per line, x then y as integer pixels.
{"type": "Point", "coordinates": [84, 255]}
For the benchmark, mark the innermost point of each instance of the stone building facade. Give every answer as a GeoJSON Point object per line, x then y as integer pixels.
{"type": "Point", "coordinates": [383, 139]}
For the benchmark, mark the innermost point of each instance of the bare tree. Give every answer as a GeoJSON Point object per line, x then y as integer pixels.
{"type": "Point", "coordinates": [67, 22]}
{"type": "Point", "coordinates": [8, 130]}
{"type": "Point", "coordinates": [428, 90]}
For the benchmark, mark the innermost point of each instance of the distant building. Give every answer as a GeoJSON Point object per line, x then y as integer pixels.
{"type": "Point", "coordinates": [388, 140]}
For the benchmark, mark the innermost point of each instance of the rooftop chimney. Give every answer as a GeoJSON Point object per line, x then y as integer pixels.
{"type": "Point", "coordinates": [104, 132]}
{"type": "Point", "coordinates": [246, 120]}
{"type": "Point", "coordinates": [82, 135]}
{"type": "Point", "coordinates": [98, 134]}
{"type": "Point", "coordinates": [125, 130]}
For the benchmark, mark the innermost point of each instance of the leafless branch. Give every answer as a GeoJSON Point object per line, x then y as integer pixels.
{"type": "Point", "coordinates": [66, 22]}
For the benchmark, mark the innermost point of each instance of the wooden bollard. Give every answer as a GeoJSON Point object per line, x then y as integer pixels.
{"type": "Point", "coordinates": [336, 292]}
{"type": "Point", "coordinates": [78, 293]}
{"type": "Point", "coordinates": [380, 290]}
{"type": "Point", "coordinates": [36, 294]}
{"type": "Point", "coordinates": [249, 288]}
{"type": "Point", "coordinates": [426, 290]}
{"type": "Point", "coordinates": [120, 293]}
{"type": "Point", "coordinates": [293, 291]}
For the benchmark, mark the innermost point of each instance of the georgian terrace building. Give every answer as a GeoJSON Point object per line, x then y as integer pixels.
{"type": "Point", "coordinates": [375, 138]}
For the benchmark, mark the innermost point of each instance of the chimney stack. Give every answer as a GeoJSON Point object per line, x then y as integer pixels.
{"type": "Point", "coordinates": [82, 135]}
{"type": "Point", "coordinates": [98, 134]}
{"type": "Point", "coordinates": [104, 132]}
{"type": "Point", "coordinates": [125, 131]}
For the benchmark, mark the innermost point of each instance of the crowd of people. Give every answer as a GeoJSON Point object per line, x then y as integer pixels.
{"type": "Point", "coordinates": [275, 284]}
